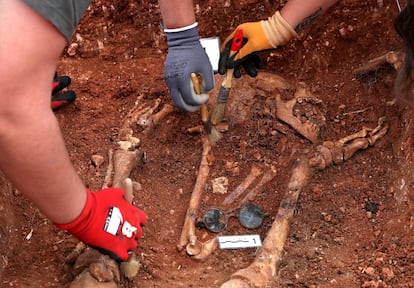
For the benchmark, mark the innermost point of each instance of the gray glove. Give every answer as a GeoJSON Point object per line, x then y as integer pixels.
{"type": "Point", "coordinates": [185, 56]}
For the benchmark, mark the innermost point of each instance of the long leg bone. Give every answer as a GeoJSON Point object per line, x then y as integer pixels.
{"type": "Point", "coordinates": [188, 238]}
{"type": "Point", "coordinates": [263, 269]}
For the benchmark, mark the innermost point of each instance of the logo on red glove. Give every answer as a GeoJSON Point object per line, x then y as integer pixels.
{"type": "Point", "coordinates": [115, 225]}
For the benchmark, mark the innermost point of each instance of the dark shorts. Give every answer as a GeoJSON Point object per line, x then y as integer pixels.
{"type": "Point", "coordinates": [63, 14]}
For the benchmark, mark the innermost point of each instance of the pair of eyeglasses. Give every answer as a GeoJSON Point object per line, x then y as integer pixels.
{"type": "Point", "coordinates": [250, 216]}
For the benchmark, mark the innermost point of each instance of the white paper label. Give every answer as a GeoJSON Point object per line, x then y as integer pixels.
{"type": "Point", "coordinates": [239, 241]}
{"type": "Point", "coordinates": [212, 47]}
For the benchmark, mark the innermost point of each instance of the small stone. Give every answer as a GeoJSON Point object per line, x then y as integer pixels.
{"type": "Point", "coordinates": [97, 160]}
{"type": "Point", "coordinates": [369, 271]}
{"type": "Point", "coordinates": [387, 274]}
{"type": "Point", "coordinates": [136, 186]}
{"type": "Point", "coordinates": [72, 49]}
{"type": "Point", "coordinates": [220, 185]}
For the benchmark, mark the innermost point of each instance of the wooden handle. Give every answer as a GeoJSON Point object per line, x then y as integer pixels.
{"type": "Point", "coordinates": [196, 84]}
{"type": "Point", "coordinates": [197, 90]}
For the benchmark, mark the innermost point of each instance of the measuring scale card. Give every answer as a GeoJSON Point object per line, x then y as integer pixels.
{"type": "Point", "coordinates": [239, 241]}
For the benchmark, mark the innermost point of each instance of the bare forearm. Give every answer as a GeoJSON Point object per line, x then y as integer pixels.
{"type": "Point", "coordinates": [177, 13]}
{"type": "Point", "coordinates": [34, 158]}
{"type": "Point", "coordinates": [32, 153]}
{"type": "Point", "coordinates": [300, 12]}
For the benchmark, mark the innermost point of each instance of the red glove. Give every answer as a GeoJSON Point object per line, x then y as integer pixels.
{"type": "Point", "coordinates": [109, 223]}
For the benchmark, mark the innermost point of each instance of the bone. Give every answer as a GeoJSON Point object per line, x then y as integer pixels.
{"type": "Point", "coordinates": [254, 173]}
{"type": "Point", "coordinates": [156, 118]}
{"type": "Point", "coordinates": [202, 250]}
{"type": "Point", "coordinates": [124, 163]}
{"type": "Point", "coordinates": [393, 58]}
{"type": "Point", "coordinates": [71, 258]}
{"type": "Point", "coordinates": [196, 129]}
{"type": "Point", "coordinates": [188, 238]}
{"type": "Point", "coordinates": [145, 117]}
{"type": "Point", "coordinates": [285, 113]}
{"type": "Point", "coordinates": [207, 248]}
{"type": "Point", "coordinates": [267, 177]}
{"type": "Point", "coordinates": [120, 165]}
{"type": "Point", "coordinates": [264, 269]}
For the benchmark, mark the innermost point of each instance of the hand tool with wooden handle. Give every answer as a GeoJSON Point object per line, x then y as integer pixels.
{"type": "Point", "coordinates": [212, 133]}
{"type": "Point", "coordinates": [218, 112]}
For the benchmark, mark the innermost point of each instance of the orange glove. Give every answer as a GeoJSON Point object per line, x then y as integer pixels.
{"type": "Point", "coordinates": [258, 36]}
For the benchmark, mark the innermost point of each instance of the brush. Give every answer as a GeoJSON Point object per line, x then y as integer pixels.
{"type": "Point", "coordinates": [212, 133]}
{"type": "Point", "coordinates": [220, 106]}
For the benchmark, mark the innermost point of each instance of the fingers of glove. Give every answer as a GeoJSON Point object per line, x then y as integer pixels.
{"type": "Point", "coordinates": [228, 59]}
{"type": "Point", "coordinates": [190, 97]}
{"type": "Point", "coordinates": [257, 61]}
{"type": "Point", "coordinates": [203, 68]}
{"type": "Point", "coordinates": [60, 83]}
{"type": "Point", "coordinates": [180, 103]}
{"type": "Point", "coordinates": [123, 253]}
{"type": "Point", "coordinates": [250, 68]}
{"type": "Point", "coordinates": [111, 254]}
{"type": "Point", "coordinates": [256, 39]}
{"type": "Point", "coordinates": [120, 253]}
{"type": "Point", "coordinates": [63, 100]}
{"type": "Point", "coordinates": [224, 56]}
{"type": "Point", "coordinates": [222, 67]}
{"type": "Point", "coordinates": [208, 81]}
{"type": "Point", "coordinates": [250, 64]}
{"type": "Point", "coordinates": [180, 64]}
{"type": "Point", "coordinates": [237, 72]}
{"type": "Point", "coordinates": [183, 94]}
{"type": "Point", "coordinates": [142, 217]}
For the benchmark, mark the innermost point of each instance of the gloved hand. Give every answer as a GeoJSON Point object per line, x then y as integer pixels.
{"type": "Point", "coordinates": [109, 223]}
{"type": "Point", "coordinates": [186, 56]}
{"type": "Point", "coordinates": [60, 83]}
{"type": "Point", "coordinates": [60, 100]}
{"type": "Point", "coordinates": [258, 36]}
